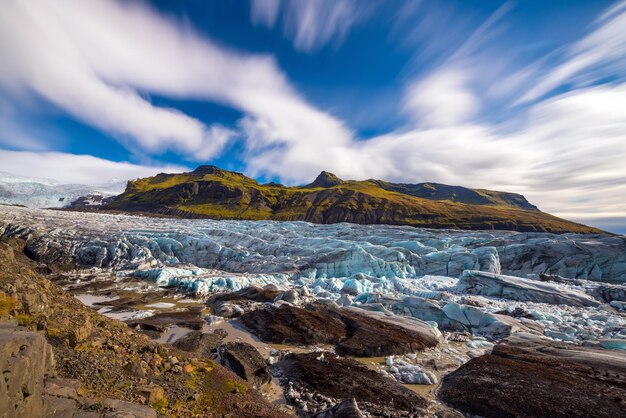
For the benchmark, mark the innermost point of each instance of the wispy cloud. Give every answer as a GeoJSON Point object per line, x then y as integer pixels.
{"type": "Point", "coordinates": [76, 169]}
{"type": "Point", "coordinates": [588, 59]}
{"type": "Point", "coordinates": [311, 24]}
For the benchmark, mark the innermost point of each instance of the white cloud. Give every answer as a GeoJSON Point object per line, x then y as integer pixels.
{"type": "Point", "coordinates": [59, 51]}
{"type": "Point", "coordinates": [443, 99]}
{"type": "Point", "coordinates": [311, 24]}
{"type": "Point", "coordinates": [76, 169]}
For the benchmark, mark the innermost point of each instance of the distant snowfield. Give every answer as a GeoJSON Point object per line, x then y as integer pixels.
{"type": "Point", "coordinates": [36, 192]}
{"type": "Point", "coordinates": [420, 270]}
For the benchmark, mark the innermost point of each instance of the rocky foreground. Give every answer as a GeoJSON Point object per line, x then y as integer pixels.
{"type": "Point", "coordinates": [66, 360]}
{"type": "Point", "coordinates": [208, 318]}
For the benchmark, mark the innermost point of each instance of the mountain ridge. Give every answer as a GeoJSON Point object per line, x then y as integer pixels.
{"type": "Point", "coordinates": [212, 192]}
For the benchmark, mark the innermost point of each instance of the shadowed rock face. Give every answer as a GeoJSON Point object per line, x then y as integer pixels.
{"type": "Point", "coordinates": [529, 376]}
{"type": "Point", "coordinates": [243, 359]}
{"type": "Point", "coordinates": [352, 331]}
{"type": "Point", "coordinates": [340, 378]}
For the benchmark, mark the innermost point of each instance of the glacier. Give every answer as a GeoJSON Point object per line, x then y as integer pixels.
{"type": "Point", "coordinates": [488, 283]}
{"type": "Point", "coordinates": [37, 192]}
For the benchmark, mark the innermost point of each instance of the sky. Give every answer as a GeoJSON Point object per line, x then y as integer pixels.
{"type": "Point", "coordinates": [520, 96]}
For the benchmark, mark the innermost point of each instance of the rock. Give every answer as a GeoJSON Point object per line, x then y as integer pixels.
{"type": "Point", "coordinates": [202, 344]}
{"type": "Point", "coordinates": [517, 288]}
{"type": "Point", "coordinates": [61, 391]}
{"type": "Point", "coordinates": [371, 334]}
{"type": "Point", "coordinates": [161, 321]}
{"type": "Point", "coordinates": [24, 361]}
{"type": "Point", "coordinates": [81, 330]}
{"type": "Point", "coordinates": [135, 369]}
{"type": "Point", "coordinates": [345, 409]}
{"type": "Point", "coordinates": [290, 296]}
{"type": "Point", "coordinates": [151, 393]}
{"type": "Point", "coordinates": [243, 359]}
{"type": "Point", "coordinates": [251, 293]}
{"type": "Point", "coordinates": [119, 409]}
{"type": "Point", "coordinates": [531, 376]}
{"type": "Point", "coordinates": [354, 331]}
{"type": "Point", "coordinates": [289, 324]}
{"type": "Point", "coordinates": [312, 381]}
{"type": "Point", "coordinates": [56, 407]}
{"type": "Point", "coordinates": [609, 293]}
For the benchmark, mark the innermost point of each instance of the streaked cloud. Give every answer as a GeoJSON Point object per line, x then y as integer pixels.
{"type": "Point", "coordinates": [588, 59]}
{"type": "Point", "coordinates": [311, 25]}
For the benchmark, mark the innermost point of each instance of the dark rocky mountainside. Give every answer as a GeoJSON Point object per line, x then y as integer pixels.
{"type": "Point", "coordinates": [210, 192]}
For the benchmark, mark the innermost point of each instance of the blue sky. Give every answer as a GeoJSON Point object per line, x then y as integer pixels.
{"type": "Point", "coordinates": [525, 96]}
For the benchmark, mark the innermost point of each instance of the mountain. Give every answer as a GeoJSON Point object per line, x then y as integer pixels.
{"type": "Point", "coordinates": [37, 192]}
{"type": "Point", "coordinates": [210, 192]}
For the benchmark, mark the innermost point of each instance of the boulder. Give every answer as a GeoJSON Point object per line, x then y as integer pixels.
{"type": "Point", "coordinates": [345, 409]}
{"type": "Point", "coordinates": [202, 344]}
{"type": "Point", "coordinates": [292, 325]}
{"type": "Point", "coordinates": [316, 379]}
{"type": "Point", "coordinates": [161, 321]}
{"type": "Point", "coordinates": [371, 333]}
{"type": "Point", "coordinates": [531, 376]}
{"type": "Point", "coordinates": [116, 408]}
{"type": "Point", "coordinates": [151, 393]}
{"type": "Point", "coordinates": [243, 359]}
{"type": "Point", "coordinates": [353, 331]}
{"type": "Point", "coordinates": [25, 358]}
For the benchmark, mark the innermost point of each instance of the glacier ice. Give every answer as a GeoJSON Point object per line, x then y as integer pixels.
{"type": "Point", "coordinates": [421, 273]}
{"type": "Point", "coordinates": [517, 288]}
{"type": "Point", "coordinates": [310, 250]}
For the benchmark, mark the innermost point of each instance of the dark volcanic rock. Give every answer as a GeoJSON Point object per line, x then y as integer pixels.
{"type": "Point", "coordinates": [529, 376]}
{"type": "Point", "coordinates": [353, 331]}
{"type": "Point", "coordinates": [202, 344]}
{"type": "Point", "coordinates": [288, 324]}
{"type": "Point", "coordinates": [253, 293]}
{"type": "Point", "coordinates": [160, 321]}
{"type": "Point", "coordinates": [371, 334]}
{"type": "Point", "coordinates": [344, 409]}
{"type": "Point", "coordinates": [233, 304]}
{"type": "Point", "coordinates": [326, 376]}
{"type": "Point", "coordinates": [243, 359]}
